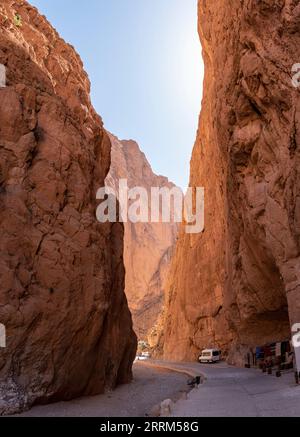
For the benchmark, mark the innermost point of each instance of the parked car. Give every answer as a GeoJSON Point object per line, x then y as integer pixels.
{"type": "Point", "coordinates": [143, 356]}
{"type": "Point", "coordinates": [146, 355]}
{"type": "Point", "coordinates": [210, 356]}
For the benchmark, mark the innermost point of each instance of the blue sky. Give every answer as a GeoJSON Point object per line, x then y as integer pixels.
{"type": "Point", "coordinates": [144, 61]}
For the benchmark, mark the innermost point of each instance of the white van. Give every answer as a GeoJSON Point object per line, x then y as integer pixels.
{"type": "Point", "coordinates": [210, 356]}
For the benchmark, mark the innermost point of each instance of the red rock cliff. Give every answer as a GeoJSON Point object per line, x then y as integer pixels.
{"type": "Point", "coordinates": [69, 330]}
{"type": "Point", "coordinates": [148, 247]}
{"type": "Point", "coordinates": [237, 284]}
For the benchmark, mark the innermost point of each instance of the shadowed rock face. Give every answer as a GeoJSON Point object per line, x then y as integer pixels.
{"type": "Point", "coordinates": [69, 330]}
{"type": "Point", "coordinates": [237, 285]}
{"type": "Point", "coordinates": [148, 247]}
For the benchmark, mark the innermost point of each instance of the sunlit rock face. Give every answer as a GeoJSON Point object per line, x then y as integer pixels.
{"type": "Point", "coordinates": [148, 247]}
{"type": "Point", "coordinates": [62, 301]}
{"type": "Point", "coordinates": [237, 284]}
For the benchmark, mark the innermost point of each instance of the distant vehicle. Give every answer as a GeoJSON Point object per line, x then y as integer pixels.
{"type": "Point", "coordinates": [210, 356]}
{"type": "Point", "coordinates": [146, 355]}
{"type": "Point", "coordinates": [143, 356]}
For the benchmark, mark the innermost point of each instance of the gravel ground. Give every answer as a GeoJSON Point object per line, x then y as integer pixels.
{"type": "Point", "coordinates": [149, 387]}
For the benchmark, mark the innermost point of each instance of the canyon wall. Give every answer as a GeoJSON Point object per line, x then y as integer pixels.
{"type": "Point", "coordinates": [237, 285]}
{"type": "Point", "coordinates": [68, 326]}
{"type": "Point", "coordinates": [148, 247]}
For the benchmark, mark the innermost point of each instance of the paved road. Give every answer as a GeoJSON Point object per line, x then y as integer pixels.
{"type": "Point", "coordinates": [227, 392]}
{"type": "Point", "coordinates": [231, 392]}
{"type": "Point", "coordinates": [149, 387]}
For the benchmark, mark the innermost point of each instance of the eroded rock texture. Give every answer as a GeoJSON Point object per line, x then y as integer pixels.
{"type": "Point", "coordinates": [69, 330]}
{"type": "Point", "coordinates": [237, 285]}
{"type": "Point", "coordinates": [148, 247]}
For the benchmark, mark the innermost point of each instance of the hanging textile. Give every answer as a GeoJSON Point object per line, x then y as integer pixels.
{"type": "Point", "coordinates": [278, 350]}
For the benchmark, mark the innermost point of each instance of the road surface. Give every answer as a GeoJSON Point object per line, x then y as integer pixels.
{"type": "Point", "coordinates": [150, 387]}
{"type": "Point", "coordinates": [227, 392]}
{"type": "Point", "coordinates": [230, 392]}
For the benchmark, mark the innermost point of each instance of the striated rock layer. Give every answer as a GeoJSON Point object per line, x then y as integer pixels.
{"type": "Point", "coordinates": [237, 285]}
{"type": "Point", "coordinates": [148, 247]}
{"type": "Point", "coordinates": [62, 301]}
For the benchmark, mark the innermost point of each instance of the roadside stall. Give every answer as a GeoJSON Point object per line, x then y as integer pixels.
{"type": "Point", "coordinates": [273, 357]}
